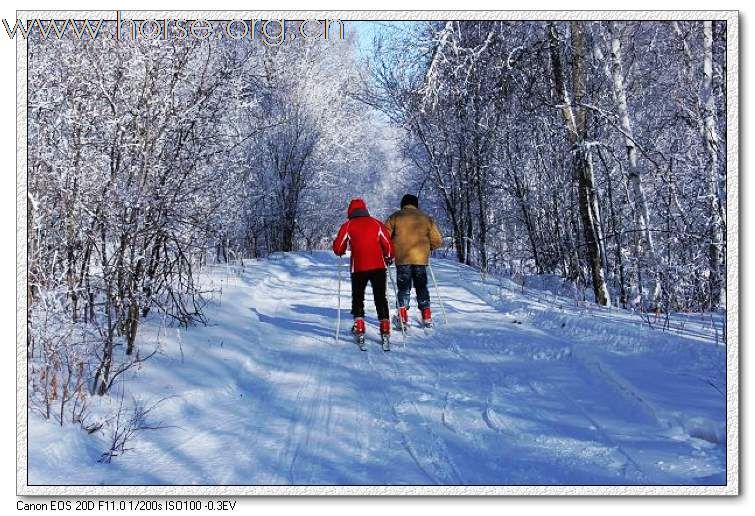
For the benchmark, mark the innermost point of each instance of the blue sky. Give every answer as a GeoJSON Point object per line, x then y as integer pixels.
{"type": "Point", "coordinates": [365, 31]}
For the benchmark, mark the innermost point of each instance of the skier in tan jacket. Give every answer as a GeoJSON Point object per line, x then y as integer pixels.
{"type": "Point", "coordinates": [414, 236]}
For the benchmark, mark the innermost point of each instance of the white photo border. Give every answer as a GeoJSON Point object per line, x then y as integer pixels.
{"type": "Point", "coordinates": [732, 264]}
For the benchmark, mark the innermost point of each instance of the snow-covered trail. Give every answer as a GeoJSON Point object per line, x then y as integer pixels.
{"type": "Point", "coordinates": [518, 388]}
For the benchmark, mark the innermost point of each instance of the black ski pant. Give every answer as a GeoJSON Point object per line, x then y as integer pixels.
{"type": "Point", "coordinates": [406, 275]}
{"type": "Point", "coordinates": [359, 280]}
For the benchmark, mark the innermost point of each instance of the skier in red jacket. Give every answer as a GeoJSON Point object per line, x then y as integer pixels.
{"type": "Point", "coordinates": [371, 248]}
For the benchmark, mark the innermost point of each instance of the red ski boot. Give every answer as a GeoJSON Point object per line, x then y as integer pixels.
{"type": "Point", "coordinates": [358, 331]}
{"type": "Point", "coordinates": [401, 319]}
{"type": "Point", "coordinates": [427, 319]}
{"type": "Point", "coordinates": [385, 334]}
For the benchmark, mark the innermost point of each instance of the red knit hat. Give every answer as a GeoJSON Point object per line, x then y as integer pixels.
{"type": "Point", "coordinates": [356, 204]}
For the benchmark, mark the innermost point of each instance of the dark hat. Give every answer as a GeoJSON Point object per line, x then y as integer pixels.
{"type": "Point", "coordinates": [410, 199]}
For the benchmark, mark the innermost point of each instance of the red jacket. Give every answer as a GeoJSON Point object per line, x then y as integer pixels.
{"type": "Point", "coordinates": [367, 237]}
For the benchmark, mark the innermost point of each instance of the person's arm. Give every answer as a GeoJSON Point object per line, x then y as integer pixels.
{"type": "Point", "coordinates": [436, 239]}
{"type": "Point", "coordinates": [390, 225]}
{"type": "Point", "coordinates": [386, 244]}
{"type": "Point", "coordinates": [341, 240]}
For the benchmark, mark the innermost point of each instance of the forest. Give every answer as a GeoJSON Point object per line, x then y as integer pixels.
{"type": "Point", "coordinates": [594, 152]}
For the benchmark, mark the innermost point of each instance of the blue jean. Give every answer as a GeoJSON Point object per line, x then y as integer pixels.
{"type": "Point", "coordinates": [406, 275]}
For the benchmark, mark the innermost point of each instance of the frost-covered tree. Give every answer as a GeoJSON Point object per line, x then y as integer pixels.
{"type": "Point", "coordinates": [145, 156]}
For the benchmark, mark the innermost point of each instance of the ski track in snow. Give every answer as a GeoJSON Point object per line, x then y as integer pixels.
{"type": "Point", "coordinates": [516, 389]}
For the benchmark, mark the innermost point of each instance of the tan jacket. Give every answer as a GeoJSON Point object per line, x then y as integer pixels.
{"type": "Point", "coordinates": [414, 235]}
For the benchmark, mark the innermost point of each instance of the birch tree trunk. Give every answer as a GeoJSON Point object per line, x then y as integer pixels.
{"type": "Point", "coordinates": [634, 173]}
{"type": "Point", "coordinates": [575, 119]}
{"type": "Point", "coordinates": [710, 135]}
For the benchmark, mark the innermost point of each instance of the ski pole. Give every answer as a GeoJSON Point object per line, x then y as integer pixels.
{"type": "Point", "coordinates": [437, 293]}
{"type": "Point", "coordinates": [338, 320]}
{"type": "Point", "coordinates": [395, 293]}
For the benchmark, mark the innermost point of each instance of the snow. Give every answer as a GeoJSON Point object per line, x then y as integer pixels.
{"type": "Point", "coordinates": [521, 387]}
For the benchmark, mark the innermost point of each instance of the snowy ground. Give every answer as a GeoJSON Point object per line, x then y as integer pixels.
{"type": "Point", "coordinates": [518, 388]}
